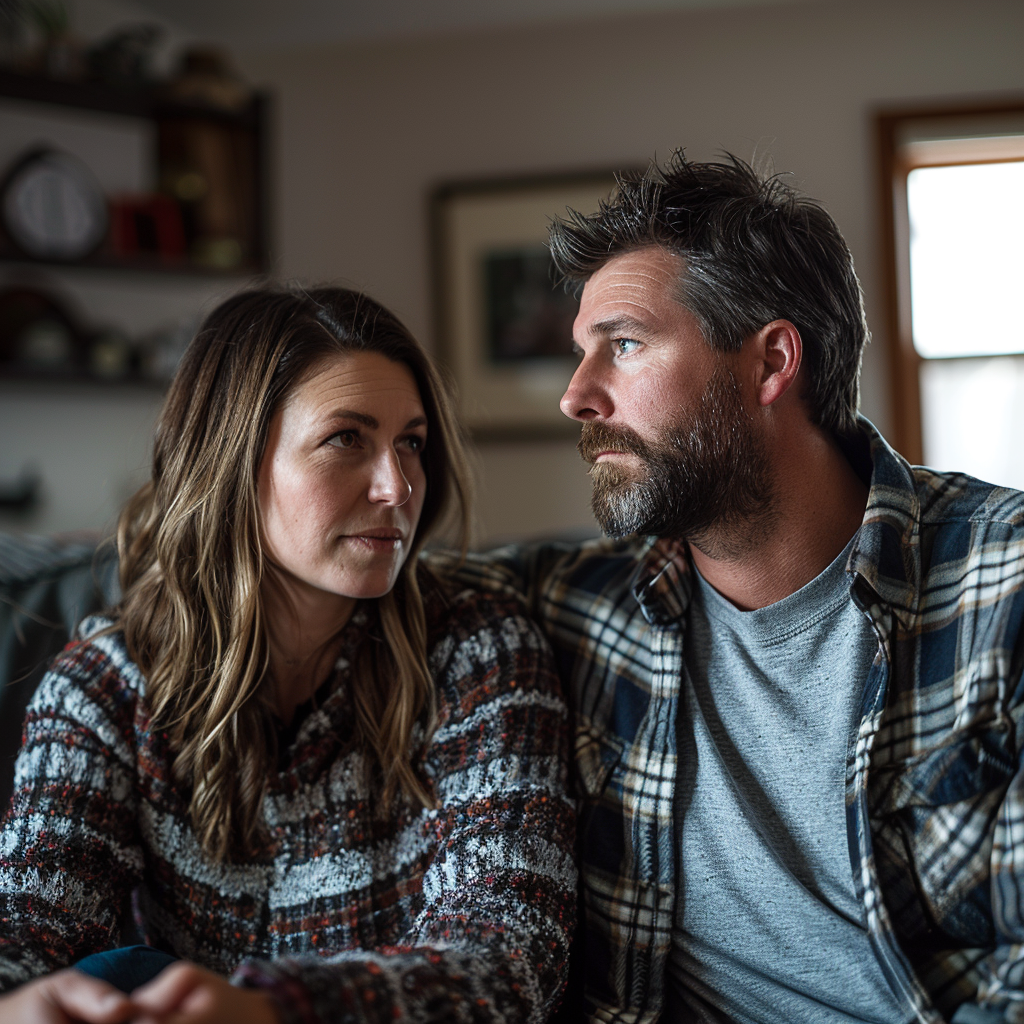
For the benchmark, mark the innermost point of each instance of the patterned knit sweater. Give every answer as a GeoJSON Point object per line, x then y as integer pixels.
{"type": "Point", "coordinates": [458, 914]}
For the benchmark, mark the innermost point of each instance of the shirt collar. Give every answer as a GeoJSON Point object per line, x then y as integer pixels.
{"type": "Point", "coordinates": [663, 581]}
{"type": "Point", "coordinates": [885, 554]}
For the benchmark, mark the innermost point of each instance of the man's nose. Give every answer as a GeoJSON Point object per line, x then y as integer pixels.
{"type": "Point", "coordinates": [388, 484]}
{"type": "Point", "coordinates": [586, 398]}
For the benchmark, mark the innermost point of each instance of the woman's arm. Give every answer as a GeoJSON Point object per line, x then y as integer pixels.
{"type": "Point", "coordinates": [69, 853]}
{"type": "Point", "coordinates": [492, 940]}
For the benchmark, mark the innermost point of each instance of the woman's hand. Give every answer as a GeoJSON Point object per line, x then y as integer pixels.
{"type": "Point", "coordinates": [186, 994]}
{"type": "Point", "coordinates": [67, 997]}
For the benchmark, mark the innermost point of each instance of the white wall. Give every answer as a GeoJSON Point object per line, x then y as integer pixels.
{"type": "Point", "coordinates": [364, 133]}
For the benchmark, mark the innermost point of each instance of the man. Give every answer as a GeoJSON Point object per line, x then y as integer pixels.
{"type": "Point", "coordinates": [797, 675]}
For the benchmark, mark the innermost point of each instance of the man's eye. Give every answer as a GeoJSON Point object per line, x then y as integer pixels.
{"type": "Point", "coordinates": [625, 346]}
{"type": "Point", "coordinates": [344, 439]}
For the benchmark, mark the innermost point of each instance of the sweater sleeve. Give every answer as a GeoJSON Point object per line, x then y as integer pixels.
{"type": "Point", "coordinates": [491, 942]}
{"type": "Point", "coordinates": [69, 850]}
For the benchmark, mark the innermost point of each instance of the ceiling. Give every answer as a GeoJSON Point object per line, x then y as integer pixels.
{"type": "Point", "coordinates": [263, 24]}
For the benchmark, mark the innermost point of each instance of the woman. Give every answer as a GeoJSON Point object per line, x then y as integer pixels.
{"type": "Point", "coordinates": [310, 765]}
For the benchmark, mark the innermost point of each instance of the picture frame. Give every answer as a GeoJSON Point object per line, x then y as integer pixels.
{"type": "Point", "coordinates": [503, 324]}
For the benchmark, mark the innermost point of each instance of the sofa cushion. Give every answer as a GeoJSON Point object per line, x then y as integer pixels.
{"type": "Point", "coordinates": [47, 584]}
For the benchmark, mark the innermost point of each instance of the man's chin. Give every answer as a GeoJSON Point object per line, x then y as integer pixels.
{"type": "Point", "coordinates": [614, 505]}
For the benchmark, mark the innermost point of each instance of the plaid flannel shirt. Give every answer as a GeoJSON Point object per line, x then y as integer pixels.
{"type": "Point", "coordinates": [934, 790]}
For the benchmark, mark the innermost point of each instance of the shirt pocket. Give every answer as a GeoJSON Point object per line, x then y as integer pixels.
{"type": "Point", "coordinates": [933, 825]}
{"type": "Point", "coordinates": [597, 754]}
{"type": "Point", "coordinates": [959, 769]}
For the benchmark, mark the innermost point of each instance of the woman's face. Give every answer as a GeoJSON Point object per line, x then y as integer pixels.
{"type": "Point", "coordinates": [341, 484]}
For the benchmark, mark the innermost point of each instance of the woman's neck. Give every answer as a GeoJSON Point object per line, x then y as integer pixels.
{"type": "Point", "coordinates": [304, 636]}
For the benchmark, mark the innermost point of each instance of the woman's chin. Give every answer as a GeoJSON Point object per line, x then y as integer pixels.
{"type": "Point", "coordinates": [368, 586]}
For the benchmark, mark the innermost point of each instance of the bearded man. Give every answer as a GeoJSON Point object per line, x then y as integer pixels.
{"type": "Point", "coordinates": [796, 666]}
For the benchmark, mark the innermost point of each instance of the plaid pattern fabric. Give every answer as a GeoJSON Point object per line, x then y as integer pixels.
{"type": "Point", "coordinates": [935, 795]}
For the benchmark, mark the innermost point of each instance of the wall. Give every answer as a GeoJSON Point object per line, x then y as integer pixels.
{"type": "Point", "coordinates": [364, 133]}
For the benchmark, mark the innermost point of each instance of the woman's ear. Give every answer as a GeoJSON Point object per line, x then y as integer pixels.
{"type": "Point", "coordinates": [779, 353]}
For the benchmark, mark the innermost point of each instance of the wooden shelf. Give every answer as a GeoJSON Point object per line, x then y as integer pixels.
{"type": "Point", "coordinates": [146, 101]}
{"type": "Point", "coordinates": [83, 95]}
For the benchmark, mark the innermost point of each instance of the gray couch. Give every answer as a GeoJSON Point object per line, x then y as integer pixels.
{"type": "Point", "coordinates": [46, 586]}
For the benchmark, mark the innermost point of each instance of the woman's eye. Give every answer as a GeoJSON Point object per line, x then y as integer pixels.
{"type": "Point", "coordinates": [414, 443]}
{"type": "Point", "coordinates": [625, 346]}
{"type": "Point", "coordinates": [344, 439]}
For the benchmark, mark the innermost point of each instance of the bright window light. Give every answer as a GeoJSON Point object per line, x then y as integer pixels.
{"type": "Point", "coordinates": [972, 417]}
{"type": "Point", "coordinates": [967, 259]}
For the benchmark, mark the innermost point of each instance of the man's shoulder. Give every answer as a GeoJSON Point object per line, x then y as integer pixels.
{"type": "Point", "coordinates": [919, 500]}
{"type": "Point", "coordinates": [951, 501]}
{"type": "Point", "coordinates": [938, 544]}
{"type": "Point", "coordinates": [972, 548]}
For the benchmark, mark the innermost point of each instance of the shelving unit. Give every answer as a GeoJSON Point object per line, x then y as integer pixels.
{"type": "Point", "coordinates": [245, 128]}
{"type": "Point", "coordinates": [225, 148]}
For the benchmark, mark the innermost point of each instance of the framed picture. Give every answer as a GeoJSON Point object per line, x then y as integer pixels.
{"type": "Point", "coordinates": [504, 324]}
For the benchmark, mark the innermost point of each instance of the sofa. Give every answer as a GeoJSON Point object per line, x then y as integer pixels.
{"type": "Point", "coordinates": [47, 584]}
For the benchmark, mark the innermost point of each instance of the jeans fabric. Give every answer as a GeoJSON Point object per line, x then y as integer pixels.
{"type": "Point", "coordinates": [128, 967]}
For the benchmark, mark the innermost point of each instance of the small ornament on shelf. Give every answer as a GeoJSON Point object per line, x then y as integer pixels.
{"type": "Point", "coordinates": [124, 58]}
{"type": "Point", "coordinates": [39, 335]}
{"type": "Point", "coordinates": [148, 224]}
{"type": "Point", "coordinates": [206, 78]}
{"type": "Point", "coordinates": [113, 355]}
{"type": "Point", "coordinates": [52, 206]}
{"type": "Point", "coordinates": [55, 51]}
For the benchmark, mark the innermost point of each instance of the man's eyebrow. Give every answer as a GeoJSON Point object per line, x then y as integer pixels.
{"type": "Point", "coordinates": [619, 324]}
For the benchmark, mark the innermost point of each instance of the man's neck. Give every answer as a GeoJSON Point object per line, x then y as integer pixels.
{"type": "Point", "coordinates": [819, 504]}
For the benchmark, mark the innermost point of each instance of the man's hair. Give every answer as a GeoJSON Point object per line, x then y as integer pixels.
{"type": "Point", "coordinates": [755, 251]}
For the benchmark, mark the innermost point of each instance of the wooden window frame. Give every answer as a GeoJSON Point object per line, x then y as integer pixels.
{"type": "Point", "coordinates": [904, 360]}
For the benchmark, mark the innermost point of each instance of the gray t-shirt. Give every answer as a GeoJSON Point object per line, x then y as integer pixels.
{"type": "Point", "coordinates": [768, 927]}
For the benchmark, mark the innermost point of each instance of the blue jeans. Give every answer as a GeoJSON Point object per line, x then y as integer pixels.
{"type": "Point", "coordinates": [128, 967]}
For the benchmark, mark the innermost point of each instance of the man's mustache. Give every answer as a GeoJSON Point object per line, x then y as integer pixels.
{"type": "Point", "coordinates": [598, 437]}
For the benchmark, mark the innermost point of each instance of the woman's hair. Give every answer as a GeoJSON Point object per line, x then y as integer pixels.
{"type": "Point", "coordinates": [192, 560]}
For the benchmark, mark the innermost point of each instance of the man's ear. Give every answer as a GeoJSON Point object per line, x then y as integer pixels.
{"type": "Point", "coordinates": [779, 352]}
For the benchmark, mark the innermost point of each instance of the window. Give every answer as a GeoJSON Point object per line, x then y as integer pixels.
{"type": "Point", "coordinates": [954, 235]}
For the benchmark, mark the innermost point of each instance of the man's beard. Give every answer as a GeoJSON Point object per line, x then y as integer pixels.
{"type": "Point", "coordinates": [707, 473]}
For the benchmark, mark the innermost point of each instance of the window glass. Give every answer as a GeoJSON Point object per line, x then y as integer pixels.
{"type": "Point", "coordinates": [972, 417]}
{"type": "Point", "coordinates": [967, 259]}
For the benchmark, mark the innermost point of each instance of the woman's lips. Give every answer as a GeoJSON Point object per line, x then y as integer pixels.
{"type": "Point", "coordinates": [377, 538]}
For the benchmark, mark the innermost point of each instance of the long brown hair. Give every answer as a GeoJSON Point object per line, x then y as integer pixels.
{"type": "Point", "coordinates": [192, 561]}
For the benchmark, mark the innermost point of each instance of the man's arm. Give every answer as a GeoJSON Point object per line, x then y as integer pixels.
{"type": "Point", "coordinates": [522, 570]}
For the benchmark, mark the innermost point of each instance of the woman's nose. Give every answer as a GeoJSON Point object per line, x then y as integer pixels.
{"type": "Point", "coordinates": [388, 484]}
